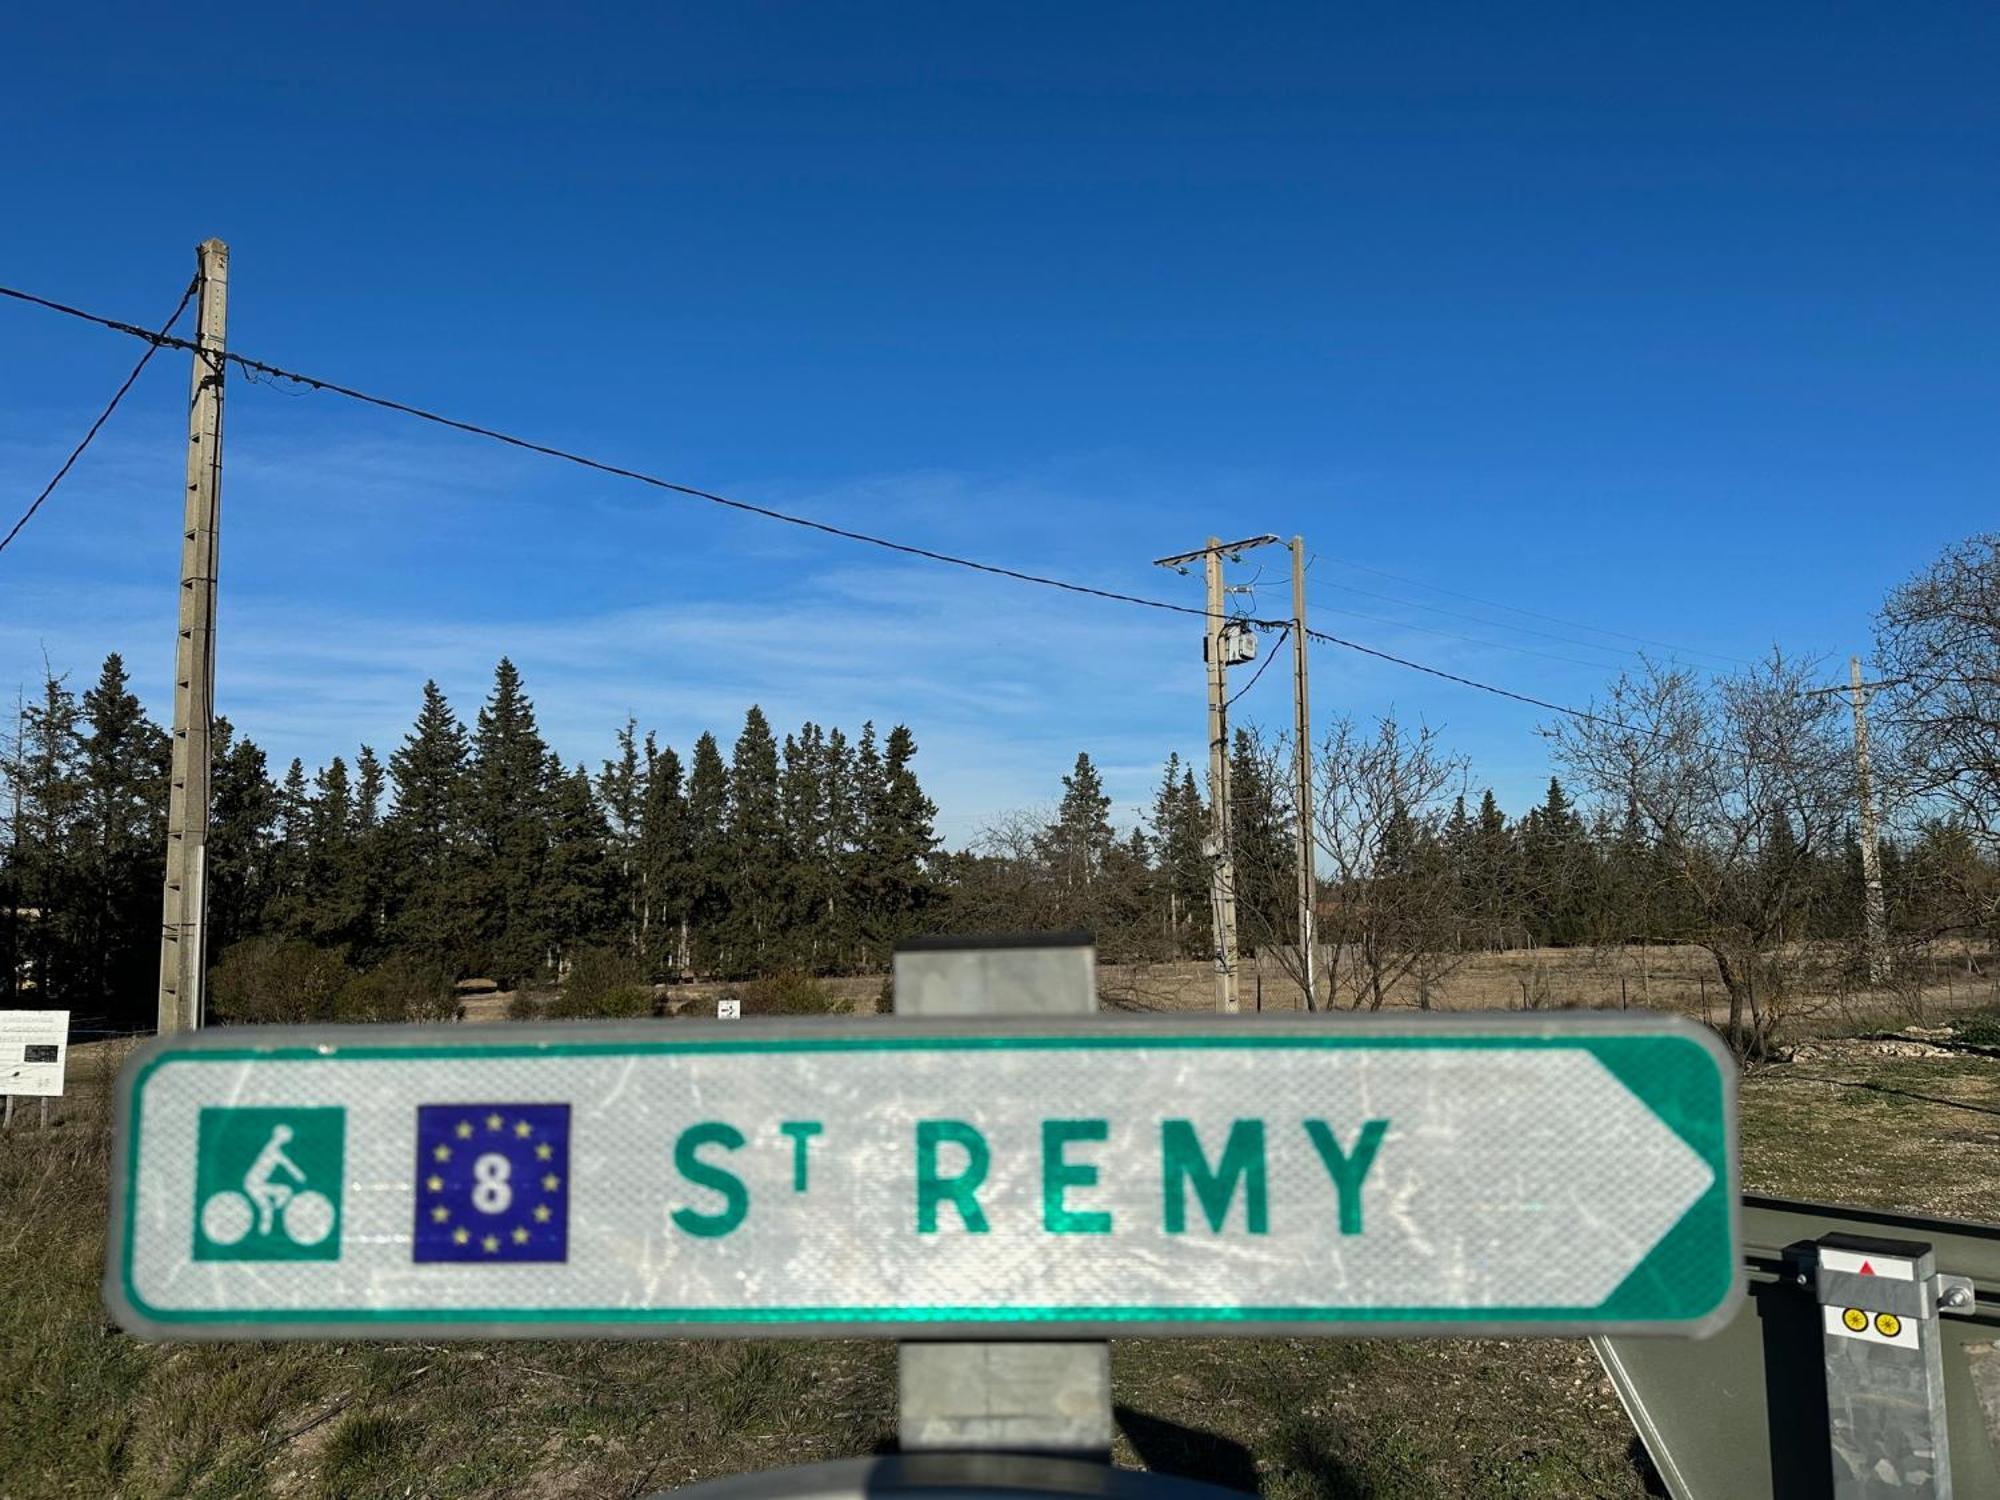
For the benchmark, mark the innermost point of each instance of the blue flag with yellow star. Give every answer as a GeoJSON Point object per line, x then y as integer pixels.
{"type": "Point", "coordinates": [492, 1182]}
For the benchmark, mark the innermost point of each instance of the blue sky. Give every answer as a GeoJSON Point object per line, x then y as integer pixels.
{"type": "Point", "coordinates": [1671, 321]}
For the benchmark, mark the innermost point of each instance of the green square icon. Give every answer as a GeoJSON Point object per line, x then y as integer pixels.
{"type": "Point", "coordinates": [267, 1184]}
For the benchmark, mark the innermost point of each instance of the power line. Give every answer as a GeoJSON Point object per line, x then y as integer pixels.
{"type": "Point", "coordinates": [1528, 613]}
{"type": "Point", "coordinates": [1470, 640]}
{"type": "Point", "coordinates": [161, 340]}
{"type": "Point", "coordinates": [164, 340]}
{"type": "Point", "coordinates": [153, 345]}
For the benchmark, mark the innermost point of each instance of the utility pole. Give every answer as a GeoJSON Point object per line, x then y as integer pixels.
{"type": "Point", "coordinates": [1876, 916]}
{"type": "Point", "coordinates": [1220, 640]}
{"type": "Point", "coordinates": [1302, 767]}
{"type": "Point", "coordinates": [184, 901]}
{"type": "Point", "coordinates": [1222, 868]}
{"type": "Point", "coordinates": [1874, 912]}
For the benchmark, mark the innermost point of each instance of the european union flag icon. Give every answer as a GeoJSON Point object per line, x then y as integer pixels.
{"type": "Point", "coordinates": [492, 1182]}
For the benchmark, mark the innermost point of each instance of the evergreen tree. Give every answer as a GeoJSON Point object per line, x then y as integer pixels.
{"type": "Point", "coordinates": [335, 895]}
{"type": "Point", "coordinates": [581, 894]}
{"type": "Point", "coordinates": [48, 791]}
{"type": "Point", "coordinates": [1180, 825]}
{"type": "Point", "coordinates": [243, 812]}
{"type": "Point", "coordinates": [426, 838]}
{"type": "Point", "coordinates": [708, 853]}
{"type": "Point", "coordinates": [508, 820]}
{"type": "Point", "coordinates": [120, 846]}
{"type": "Point", "coordinates": [368, 787]}
{"type": "Point", "coordinates": [291, 856]}
{"type": "Point", "coordinates": [904, 838]}
{"type": "Point", "coordinates": [1262, 850]}
{"type": "Point", "coordinates": [810, 886]}
{"type": "Point", "coordinates": [758, 858]}
{"type": "Point", "coordinates": [666, 863]}
{"type": "Point", "coordinates": [622, 788]}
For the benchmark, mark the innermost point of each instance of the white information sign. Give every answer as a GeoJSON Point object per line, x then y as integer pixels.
{"type": "Point", "coordinates": [900, 1177]}
{"type": "Point", "coordinates": [34, 1046]}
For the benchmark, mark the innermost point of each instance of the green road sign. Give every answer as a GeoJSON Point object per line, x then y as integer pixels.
{"type": "Point", "coordinates": [906, 1177]}
{"type": "Point", "coordinates": [267, 1184]}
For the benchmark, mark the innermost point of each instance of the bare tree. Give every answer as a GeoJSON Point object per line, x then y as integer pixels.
{"type": "Point", "coordinates": [1389, 897]}
{"type": "Point", "coordinates": [1937, 641]}
{"type": "Point", "coordinates": [1740, 784]}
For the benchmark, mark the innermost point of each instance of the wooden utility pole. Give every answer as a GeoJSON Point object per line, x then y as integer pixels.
{"type": "Point", "coordinates": [1217, 846]}
{"type": "Point", "coordinates": [1302, 768]}
{"type": "Point", "coordinates": [1874, 912]}
{"type": "Point", "coordinates": [184, 902]}
{"type": "Point", "coordinates": [1222, 876]}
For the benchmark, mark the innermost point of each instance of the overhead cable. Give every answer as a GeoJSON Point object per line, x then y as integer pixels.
{"type": "Point", "coordinates": [154, 343]}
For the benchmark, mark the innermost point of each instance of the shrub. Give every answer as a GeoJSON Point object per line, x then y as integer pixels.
{"type": "Point", "coordinates": [274, 980]}
{"type": "Point", "coordinates": [403, 987]}
{"type": "Point", "coordinates": [603, 982]}
{"type": "Point", "coordinates": [789, 995]}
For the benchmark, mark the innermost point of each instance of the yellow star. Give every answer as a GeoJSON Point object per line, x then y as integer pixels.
{"type": "Point", "coordinates": [434, 1182]}
{"type": "Point", "coordinates": [520, 1236]}
{"type": "Point", "coordinates": [523, 1129]}
{"type": "Point", "coordinates": [544, 1151]}
{"type": "Point", "coordinates": [490, 1244]}
{"type": "Point", "coordinates": [440, 1214]}
{"type": "Point", "coordinates": [460, 1235]}
{"type": "Point", "coordinates": [494, 1122]}
{"type": "Point", "coordinates": [442, 1153]}
{"type": "Point", "coordinates": [541, 1213]}
{"type": "Point", "coordinates": [465, 1130]}
{"type": "Point", "coordinates": [550, 1182]}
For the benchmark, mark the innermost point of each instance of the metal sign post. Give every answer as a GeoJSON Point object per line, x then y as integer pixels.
{"type": "Point", "coordinates": [1884, 1368]}
{"type": "Point", "coordinates": [929, 1177]}
{"type": "Point", "coordinates": [1055, 1397]}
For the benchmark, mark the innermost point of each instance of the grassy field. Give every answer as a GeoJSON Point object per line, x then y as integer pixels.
{"type": "Point", "coordinates": [86, 1411]}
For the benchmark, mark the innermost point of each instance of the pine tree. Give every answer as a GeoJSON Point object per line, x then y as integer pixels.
{"type": "Point", "coordinates": [425, 837]}
{"type": "Point", "coordinates": [48, 788]}
{"type": "Point", "coordinates": [708, 853]}
{"type": "Point", "coordinates": [508, 819]}
{"type": "Point", "coordinates": [808, 886]}
{"type": "Point", "coordinates": [243, 811]}
{"type": "Point", "coordinates": [368, 787]}
{"type": "Point", "coordinates": [119, 851]}
{"type": "Point", "coordinates": [621, 786]}
{"type": "Point", "coordinates": [665, 859]}
{"type": "Point", "coordinates": [757, 854]}
{"type": "Point", "coordinates": [285, 911]}
{"type": "Point", "coordinates": [1075, 847]}
{"type": "Point", "coordinates": [903, 829]}
{"type": "Point", "coordinates": [1260, 849]}
{"type": "Point", "coordinates": [1180, 824]}
{"type": "Point", "coordinates": [581, 890]}
{"type": "Point", "coordinates": [335, 897]}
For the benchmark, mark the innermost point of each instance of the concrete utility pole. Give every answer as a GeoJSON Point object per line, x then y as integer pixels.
{"type": "Point", "coordinates": [1302, 766]}
{"type": "Point", "coordinates": [184, 902]}
{"type": "Point", "coordinates": [1871, 855]}
{"type": "Point", "coordinates": [1222, 867]}
{"type": "Point", "coordinates": [1874, 914]}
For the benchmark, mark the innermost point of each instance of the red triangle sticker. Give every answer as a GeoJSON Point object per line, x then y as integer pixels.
{"type": "Point", "coordinates": [1867, 1269]}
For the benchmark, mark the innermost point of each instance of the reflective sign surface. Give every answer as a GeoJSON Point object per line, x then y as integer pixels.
{"type": "Point", "coordinates": [902, 1177]}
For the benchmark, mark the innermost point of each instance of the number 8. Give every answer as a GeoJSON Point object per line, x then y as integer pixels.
{"type": "Point", "coordinates": [492, 1194]}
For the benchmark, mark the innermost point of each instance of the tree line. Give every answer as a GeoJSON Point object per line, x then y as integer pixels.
{"type": "Point", "coordinates": [1719, 811]}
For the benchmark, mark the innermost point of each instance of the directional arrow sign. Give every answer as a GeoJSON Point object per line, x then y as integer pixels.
{"type": "Point", "coordinates": [892, 1176]}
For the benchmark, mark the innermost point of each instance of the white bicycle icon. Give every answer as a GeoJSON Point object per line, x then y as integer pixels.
{"type": "Point", "coordinates": [306, 1217]}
